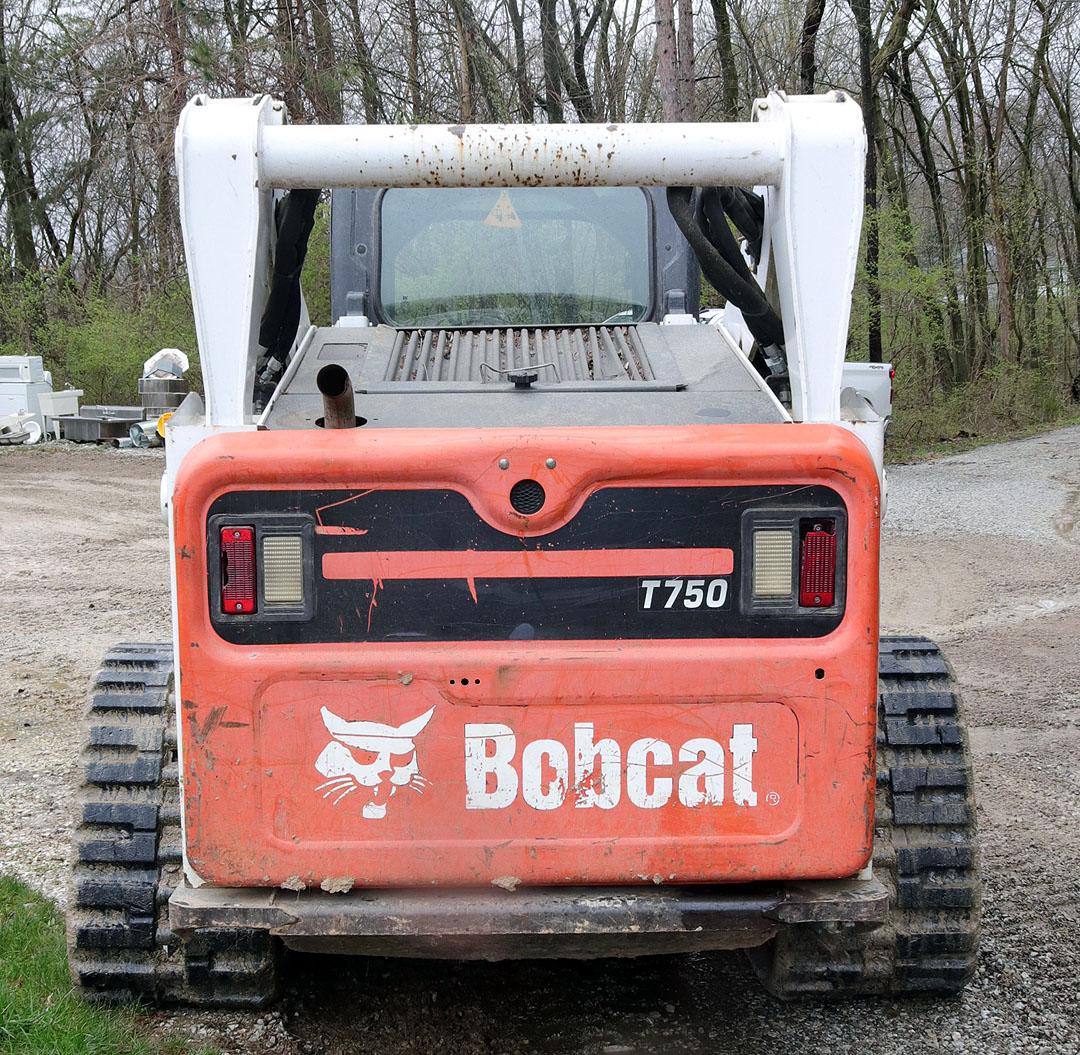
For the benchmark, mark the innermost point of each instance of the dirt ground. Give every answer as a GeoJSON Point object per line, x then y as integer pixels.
{"type": "Point", "coordinates": [981, 551]}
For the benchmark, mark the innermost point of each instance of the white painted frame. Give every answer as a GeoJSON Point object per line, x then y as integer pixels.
{"type": "Point", "coordinates": [806, 153]}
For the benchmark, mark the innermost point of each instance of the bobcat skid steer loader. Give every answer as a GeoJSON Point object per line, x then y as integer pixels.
{"type": "Point", "coordinates": [519, 612]}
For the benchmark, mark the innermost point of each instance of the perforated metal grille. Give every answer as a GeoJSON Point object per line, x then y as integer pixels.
{"type": "Point", "coordinates": [587, 353]}
{"type": "Point", "coordinates": [527, 497]}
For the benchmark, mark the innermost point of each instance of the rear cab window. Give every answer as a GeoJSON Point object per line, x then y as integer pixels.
{"type": "Point", "coordinates": [536, 256]}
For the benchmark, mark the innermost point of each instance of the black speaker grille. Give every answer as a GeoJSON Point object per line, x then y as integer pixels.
{"type": "Point", "coordinates": [527, 497]}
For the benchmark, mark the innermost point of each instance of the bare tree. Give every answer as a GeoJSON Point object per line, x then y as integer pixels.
{"type": "Point", "coordinates": [815, 12]}
{"type": "Point", "coordinates": [972, 239]}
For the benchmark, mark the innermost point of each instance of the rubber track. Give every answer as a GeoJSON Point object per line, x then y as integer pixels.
{"type": "Point", "coordinates": [925, 851]}
{"type": "Point", "coordinates": [127, 857]}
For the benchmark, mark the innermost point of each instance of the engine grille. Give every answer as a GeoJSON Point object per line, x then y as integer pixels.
{"type": "Point", "coordinates": [592, 353]}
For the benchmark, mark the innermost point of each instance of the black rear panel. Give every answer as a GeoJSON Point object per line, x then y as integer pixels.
{"type": "Point", "coordinates": [610, 606]}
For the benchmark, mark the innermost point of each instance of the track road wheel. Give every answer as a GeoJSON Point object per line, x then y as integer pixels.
{"type": "Point", "coordinates": [127, 857]}
{"type": "Point", "coordinates": [925, 852]}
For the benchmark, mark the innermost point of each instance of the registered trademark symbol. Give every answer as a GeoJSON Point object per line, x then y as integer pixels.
{"type": "Point", "coordinates": [773, 798]}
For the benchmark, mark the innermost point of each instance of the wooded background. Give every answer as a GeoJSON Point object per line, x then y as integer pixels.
{"type": "Point", "coordinates": [971, 252]}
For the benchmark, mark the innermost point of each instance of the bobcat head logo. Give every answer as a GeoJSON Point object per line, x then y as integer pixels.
{"type": "Point", "coordinates": [372, 757]}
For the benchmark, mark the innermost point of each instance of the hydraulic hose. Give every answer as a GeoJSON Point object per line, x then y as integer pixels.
{"type": "Point", "coordinates": [747, 212]}
{"type": "Point", "coordinates": [281, 318]}
{"type": "Point", "coordinates": [719, 233]}
{"type": "Point", "coordinates": [736, 284]}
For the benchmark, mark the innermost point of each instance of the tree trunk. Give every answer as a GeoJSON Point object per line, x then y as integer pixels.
{"type": "Point", "coordinates": [16, 184]}
{"type": "Point", "coordinates": [949, 356]}
{"type": "Point", "coordinates": [370, 94]}
{"type": "Point", "coordinates": [412, 57]}
{"type": "Point", "coordinates": [666, 61]}
{"type": "Point", "coordinates": [550, 48]}
{"type": "Point", "coordinates": [465, 82]}
{"type": "Point", "coordinates": [729, 74]}
{"type": "Point", "coordinates": [521, 62]}
{"type": "Point", "coordinates": [815, 11]}
{"type": "Point", "coordinates": [685, 73]}
{"type": "Point", "coordinates": [861, 11]}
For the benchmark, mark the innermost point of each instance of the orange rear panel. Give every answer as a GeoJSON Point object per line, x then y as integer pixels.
{"type": "Point", "coordinates": [333, 748]}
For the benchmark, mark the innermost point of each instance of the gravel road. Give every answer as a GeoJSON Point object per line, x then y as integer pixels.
{"type": "Point", "coordinates": [981, 551]}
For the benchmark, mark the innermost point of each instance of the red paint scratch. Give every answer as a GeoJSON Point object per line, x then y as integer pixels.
{"type": "Point", "coordinates": [338, 529]}
{"type": "Point", "coordinates": [340, 502]}
{"type": "Point", "coordinates": [375, 586]}
{"type": "Point", "coordinates": [592, 781]}
{"type": "Point", "coordinates": [472, 589]}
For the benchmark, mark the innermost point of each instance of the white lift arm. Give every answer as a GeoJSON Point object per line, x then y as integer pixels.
{"type": "Point", "coordinates": [806, 153]}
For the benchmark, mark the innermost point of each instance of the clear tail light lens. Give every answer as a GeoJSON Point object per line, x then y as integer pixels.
{"type": "Point", "coordinates": [283, 570]}
{"type": "Point", "coordinates": [773, 551]}
{"type": "Point", "coordinates": [237, 570]}
{"type": "Point", "coordinates": [817, 564]}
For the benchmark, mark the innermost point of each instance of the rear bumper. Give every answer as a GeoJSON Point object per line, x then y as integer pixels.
{"type": "Point", "coordinates": [581, 922]}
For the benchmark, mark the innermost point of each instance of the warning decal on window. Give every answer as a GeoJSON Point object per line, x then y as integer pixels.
{"type": "Point", "coordinates": [503, 213]}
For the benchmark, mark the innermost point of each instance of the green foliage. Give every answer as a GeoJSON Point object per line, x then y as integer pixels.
{"type": "Point", "coordinates": [94, 341]}
{"type": "Point", "coordinates": [940, 402]}
{"type": "Point", "coordinates": [98, 342]}
{"type": "Point", "coordinates": [315, 278]}
{"type": "Point", "coordinates": [203, 57]}
{"type": "Point", "coordinates": [914, 299]}
{"type": "Point", "coordinates": [1006, 400]}
{"type": "Point", "coordinates": [39, 1011]}
{"type": "Point", "coordinates": [103, 352]}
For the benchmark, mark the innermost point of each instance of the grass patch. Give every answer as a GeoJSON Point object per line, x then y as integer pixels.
{"type": "Point", "coordinates": [40, 1013]}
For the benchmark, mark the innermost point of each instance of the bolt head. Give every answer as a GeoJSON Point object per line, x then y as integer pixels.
{"type": "Point", "coordinates": [550, 463]}
{"type": "Point", "coordinates": [504, 463]}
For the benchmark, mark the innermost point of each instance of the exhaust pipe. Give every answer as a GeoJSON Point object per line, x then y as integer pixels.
{"type": "Point", "coordinates": [339, 407]}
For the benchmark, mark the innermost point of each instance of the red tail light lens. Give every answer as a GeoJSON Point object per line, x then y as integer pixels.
{"type": "Point", "coordinates": [817, 565]}
{"type": "Point", "coordinates": [237, 570]}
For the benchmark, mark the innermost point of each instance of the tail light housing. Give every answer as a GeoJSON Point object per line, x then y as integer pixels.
{"type": "Point", "coordinates": [260, 569]}
{"type": "Point", "coordinates": [237, 570]}
{"type": "Point", "coordinates": [794, 561]}
{"type": "Point", "coordinates": [817, 564]}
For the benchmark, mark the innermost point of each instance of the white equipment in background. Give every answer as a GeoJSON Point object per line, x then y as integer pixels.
{"type": "Point", "coordinates": [23, 381]}
{"type": "Point", "coordinates": [162, 387]}
{"type": "Point", "coordinates": [168, 362]}
{"type": "Point", "coordinates": [54, 405]}
{"type": "Point", "coordinates": [18, 429]}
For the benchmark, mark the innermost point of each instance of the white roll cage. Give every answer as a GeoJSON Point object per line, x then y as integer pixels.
{"type": "Point", "coordinates": [805, 154]}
